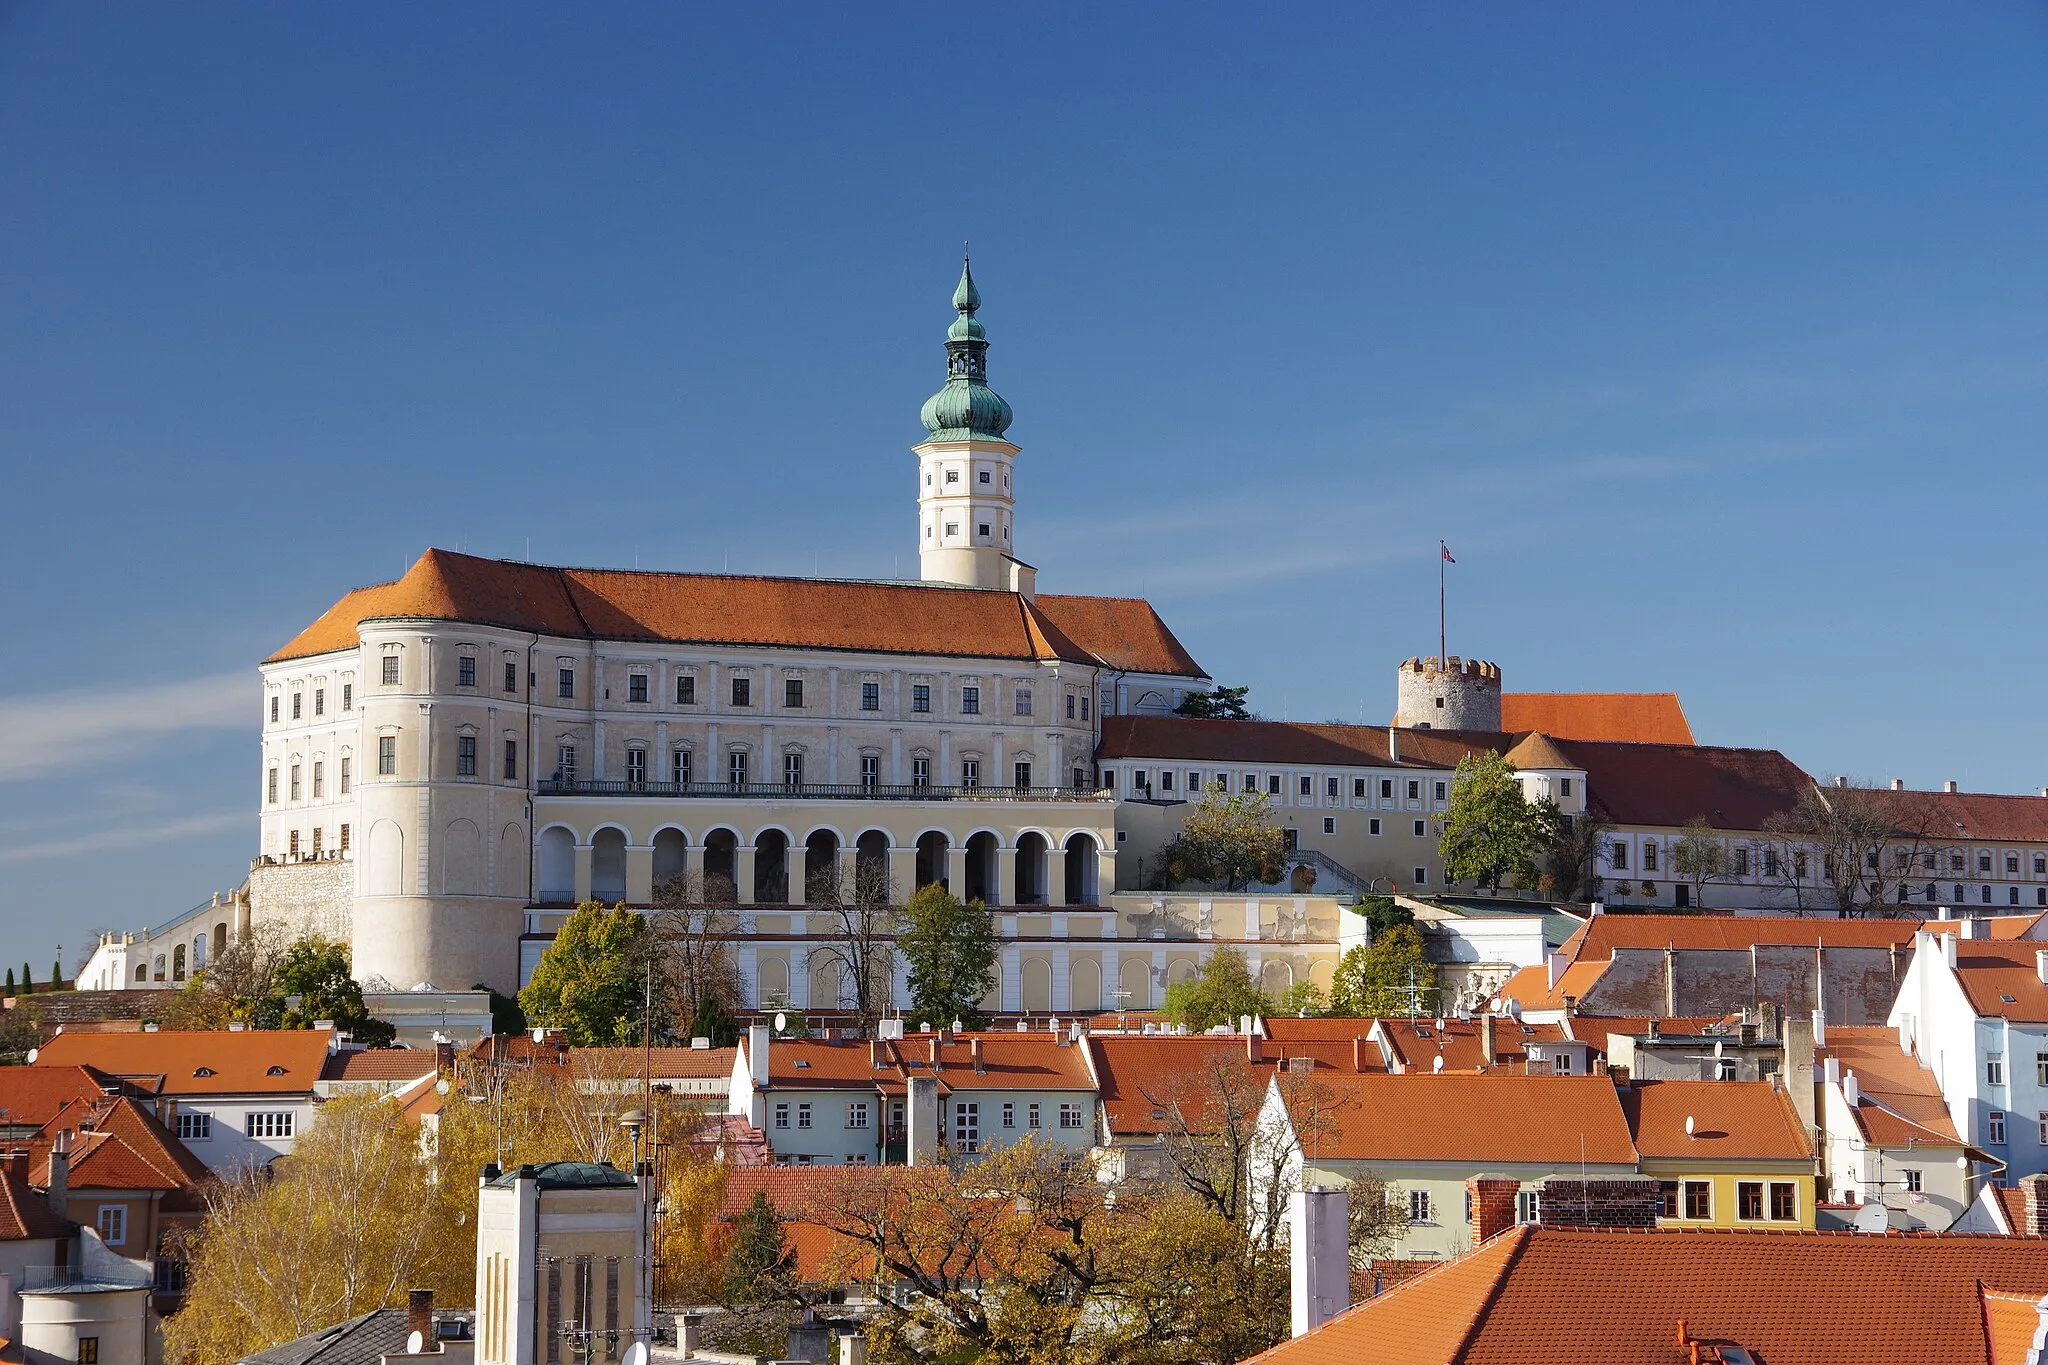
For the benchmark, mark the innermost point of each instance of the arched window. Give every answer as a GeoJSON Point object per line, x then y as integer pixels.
{"type": "Point", "coordinates": [178, 963]}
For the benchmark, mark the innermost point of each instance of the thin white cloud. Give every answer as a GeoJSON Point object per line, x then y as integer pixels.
{"type": "Point", "coordinates": [58, 731]}
{"type": "Point", "coordinates": [127, 837]}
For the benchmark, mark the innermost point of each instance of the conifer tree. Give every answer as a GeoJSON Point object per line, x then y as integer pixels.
{"type": "Point", "coordinates": [759, 1258]}
{"type": "Point", "coordinates": [28, 980]}
{"type": "Point", "coordinates": [10, 981]}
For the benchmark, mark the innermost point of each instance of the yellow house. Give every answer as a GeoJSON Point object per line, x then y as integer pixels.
{"type": "Point", "coordinates": [1731, 1154]}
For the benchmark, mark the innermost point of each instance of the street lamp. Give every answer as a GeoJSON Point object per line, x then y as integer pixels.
{"type": "Point", "coordinates": [635, 1121]}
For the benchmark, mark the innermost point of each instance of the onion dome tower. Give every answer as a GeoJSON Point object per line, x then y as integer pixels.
{"type": "Point", "coordinates": [965, 506]}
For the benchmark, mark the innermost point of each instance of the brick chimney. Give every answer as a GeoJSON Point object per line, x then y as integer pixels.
{"type": "Point", "coordinates": [877, 1055]}
{"type": "Point", "coordinates": [938, 1043]}
{"type": "Point", "coordinates": [1493, 1204]}
{"type": "Point", "coordinates": [974, 1050]}
{"type": "Point", "coordinates": [1358, 1055]}
{"type": "Point", "coordinates": [1253, 1052]}
{"type": "Point", "coordinates": [1486, 1040]}
{"type": "Point", "coordinates": [17, 1165]}
{"type": "Point", "coordinates": [2035, 1189]}
{"type": "Point", "coordinates": [419, 1315]}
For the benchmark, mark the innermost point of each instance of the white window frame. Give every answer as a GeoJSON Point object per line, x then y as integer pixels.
{"type": "Point", "coordinates": [112, 1222]}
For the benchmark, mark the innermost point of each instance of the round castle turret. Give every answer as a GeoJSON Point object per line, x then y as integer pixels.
{"type": "Point", "coordinates": [1453, 694]}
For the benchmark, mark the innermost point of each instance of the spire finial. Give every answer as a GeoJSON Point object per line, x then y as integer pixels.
{"type": "Point", "coordinates": [966, 405]}
{"type": "Point", "coordinates": [966, 298]}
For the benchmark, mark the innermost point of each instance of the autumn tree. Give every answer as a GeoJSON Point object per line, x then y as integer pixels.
{"type": "Point", "coordinates": [269, 980]}
{"type": "Point", "coordinates": [950, 949]}
{"type": "Point", "coordinates": [591, 981]}
{"type": "Point", "coordinates": [699, 987]}
{"type": "Point", "coordinates": [1228, 837]}
{"type": "Point", "coordinates": [1701, 857]}
{"type": "Point", "coordinates": [1866, 843]}
{"type": "Point", "coordinates": [312, 983]}
{"type": "Point", "coordinates": [1570, 862]}
{"type": "Point", "coordinates": [1221, 992]}
{"type": "Point", "coordinates": [1492, 832]}
{"type": "Point", "coordinates": [1389, 976]}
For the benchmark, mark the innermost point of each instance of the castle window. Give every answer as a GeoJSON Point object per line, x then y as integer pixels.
{"type": "Point", "coordinates": [465, 755]}
{"type": "Point", "coordinates": [465, 670]}
{"type": "Point", "coordinates": [316, 854]}
{"type": "Point", "coordinates": [1070, 706]}
{"type": "Point", "coordinates": [270, 787]}
{"type": "Point", "coordinates": [736, 767]}
{"type": "Point", "coordinates": [387, 755]}
{"type": "Point", "coordinates": [295, 853]}
{"type": "Point", "coordinates": [1308, 786]}
{"type": "Point", "coordinates": [1422, 876]}
{"type": "Point", "coordinates": [1166, 779]}
{"type": "Point", "coordinates": [2040, 865]}
{"type": "Point", "coordinates": [686, 690]}
{"type": "Point", "coordinates": [1421, 828]}
{"type": "Point", "coordinates": [984, 476]}
{"type": "Point", "coordinates": [970, 772]}
{"type": "Point", "coordinates": [679, 767]}
{"type": "Point", "coordinates": [636, 687]}
{"type": "Point", "coordinates": [1251, 782]}
{"type": "Point", "coordinates": [870, 772]}
{"type": "Point", "coordinates": [2012, 864]}
{"type": "Point", "coordinates": [343, 844]}
{"type": "Point", "coordinates": [742, 691]}
{"type": "Point", "coordinates": [1023, 774]}
{"type": "Point", "coordinates": [952, 528]}
{"type": "Point", "coordinates": [345, 764]}
{"type": "Point", "coordinates": [952, 476]}
{"type": "Point", "coordinates": [1329, 824]}
{"type": "Point", "coordinates": [792, 770]}
{"type": "Point", "coordinates": [870, 696]}
{"type": "Point", "coordinates": [920, 697]}
{"type": "Point", "coordinates": [319, 779]}
{"type": "Point", "coordinates": [390, 674]}
{"type": "Point", "coordinates": [793, 692]}
{"type": "Point", "coordinates": [1414, 791]}
{"type": "Point", "coordinates": [511, 676]}
{"type": "Point", "coordinates": [298, 705]}
{"type": "Point", "coordinates": [1330, 788]}
{"type": "Point", "coordinates": [1020, 703]}
{"type": "Point", "coordinates": [319, 701]}
{"type": "Point", "coordinates": [1617, 857]}
{"type": "Point", "coordinates": [565, 683]}
{"type": "Point", "coordinates": [1983, 862]}
{"type": "Point", "coordinates": [920, 772]}
{"type": "Point", "coordinates": [348, 696]}
{"type": "Point", "coordinates": [636, 766]}
{"type": "Point", "coordinates": [295, 781]}
{"type": "Point", "coordinates": [1084, 708]}
{"type": "Point", "coordinates": [985, 529]}
{"type": "Point", "coordinates": [1358, 789]}
{"type": "Point", "coordinates": [1439, 703]}
{"type": "Point", "coordinates": [511, 760]}
{"type": "Point", "coordinates": [1273, 785]}
{"type": "Point", "coordinates": [1372, 826]}
{"type": "Point", "coordinates": [1439, 791]}
{"type": "Point", "coordinates": [273, 710]}
{"type": "Point", "coordinates": [565, 763]}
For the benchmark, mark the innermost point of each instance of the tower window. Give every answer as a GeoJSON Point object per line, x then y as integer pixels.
{"type": "Point", "coordinates": [870, 696]}
{"type": "Point", "coordinates": [273, 710]}
{"type": "Point", "coordinates": [465, 670]}
{"type": "Point", "coordinates": [344, 775]}
{"type": "Point", "coordinates": [970, 701]}
{"type": "Point", "coordinates": [920, 697]}
{"type": "Point", "coordinates": [636, 687]}
{"type": "Point", "coordinates": [742, 691]}
{"type": "Point", "coordinates": [984, 476]}
{"type": "Point", "coordinates": [348, 696]}
{"type": "Point", "coordinates": [465, 755]}
{"type": "Point", "coordinates": [793, 692]}
{"type": "Point", "coordinates": [736, 767]}
{"type": "Point", "coordinates": [952, 476]}
{"type": "Point", "coordinates": [511, 760]}
{"type": "Point", "coordinates": [1020, 701]}
{"type": "Point", "coordinates": [565, 683]}
{"type": "Point", "coordinates": [390, 674]}
{"type": "Point", "coordinates": [686, 690]}
{"type": "Point", "coordinates": [679, 767]}
{"type": "Point", "coordinates": [387, 755]}
{"type": "Point", "coordinates": [952, 528]}
{"type": "Point", "coordinates": [985, 528]}
{"type": "Point", "coordinates": [511, 676]}
{"type": "Point", "coordinates": [1439, 703]}
{"type": "Point", "coordinates": [298, 701]}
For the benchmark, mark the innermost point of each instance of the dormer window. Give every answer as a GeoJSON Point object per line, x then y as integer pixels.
{"type": "Point", "coordinates": [275, 1071]}
{"type": "Point", "coordinates": [203, 1071]}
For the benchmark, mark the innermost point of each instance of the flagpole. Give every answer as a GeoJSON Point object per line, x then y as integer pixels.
{"type": "Point", "coordinates": [1443, 657]}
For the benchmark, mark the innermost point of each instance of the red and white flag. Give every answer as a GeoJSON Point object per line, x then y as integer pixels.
{"type": "Point", "coordinates": [1447, 552]}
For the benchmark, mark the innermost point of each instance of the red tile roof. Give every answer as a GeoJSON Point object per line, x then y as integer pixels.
{"type": "Point", "coordinates": [1596, 940]}
{"type": "Point", "coordinates": [1418, 1043]}
{"type": "Point", "coordinates": [2010, 1324]}
{"type": "Point", "coordinates": [33, 1095]}
{"type": "Point", "coordinates": [1898, 1101]}
{"type": "Point", "coordinates": [199, 1062]}
{"type": "Point", "coordinates": [1463, 1118]}
{"type": "Point", "coordinates": [896, 618]}
{"type": "Point", "coordinates": [1983, 816]}
{"type": "Point", "coordinates": [664, 1063]}
{"type": "Point", "coordinates": [1010, 1061]}
{"type": "Point", "coordinates": [1142, 1074]}
{"type": "Point", "coordinates": [1732, 1121]}
{"type": "Point", "coordinates": [1628, 717]}
{"type": "Point", "coordinates": [25, 1215]}
{"type": "Point", "coordinates": [1990, 972]}
{"type": "Point", "coordinates": [1674, 784]}
{"type": "Point", "coordinates": [1790, 1298]}
{"type": "Point", "coordinates": [381, 1064]}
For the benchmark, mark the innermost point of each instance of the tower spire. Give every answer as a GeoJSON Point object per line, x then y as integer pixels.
{"type": "Point", "coordinates": [965, 466]}
{"type": "Point", "coordinates": [967, 407]}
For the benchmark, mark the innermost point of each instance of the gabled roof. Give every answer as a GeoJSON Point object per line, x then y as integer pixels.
{"type": "Point", "coordinates": [1417, 1043]}
{"type": "Point", "coordinates": [197, 1062]}
{"type": "Point", "coordinates": [1464, 1118]}
{"type": "Point", "coordinates": [1731, 1121]}
{"type": "Point", "coordinates": [381, 1064]}
{"type": "Point", "coordinates": [1674, 784]}
{"type": "Point", "coordinates": [118, 1144]}
{"type": "Point", "coordinates": [1543, 1293]}
{"type": "Point", "coordinates": [2011, 1322]}
{"type": "Point", "coordinates": [361, 1340]}
{"type": "Point", "coordinates": [2002, 982]}
{"type": "Point", "coordinates": [1142, 1074]}
{"type": "Point", "coordinates": [33, 1095]}
{"type": "Point", "coordinates": [1602, 934]}
{"type": "Point", "coordinates": [1980, 816]}
{"type": "Point", "coordinates": [1628, 717]}
{"type": "Point", "coordinates": [1537, 750]}
{"type": "Point", "coordinates": [1010, 1061]}
{"type": "Point", "coordinates": [734, 609]}
{"type": "Point", "coordinates": [1898, 1103]}
{"type": "Point", "coordinates": [25, 1216]}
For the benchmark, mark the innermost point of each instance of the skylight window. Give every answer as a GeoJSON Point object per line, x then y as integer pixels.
{"type": "Point", "coordinates": [2007, 999]}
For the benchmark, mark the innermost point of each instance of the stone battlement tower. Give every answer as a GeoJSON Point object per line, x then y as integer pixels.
{"type": "Point", "coordinates": [1449, 694]}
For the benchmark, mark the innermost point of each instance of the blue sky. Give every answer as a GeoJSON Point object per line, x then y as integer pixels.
{"type": "Point", "coordinates": [1711, 337]}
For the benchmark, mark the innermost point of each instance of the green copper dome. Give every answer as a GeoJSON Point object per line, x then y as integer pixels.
{"type": "Point", "coordinates": [967, 408]}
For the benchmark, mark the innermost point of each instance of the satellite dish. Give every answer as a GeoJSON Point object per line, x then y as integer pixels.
{"type": "Point", "coordinates": [441, 1087]}
{"type": "Point", "coordinates": [1688, 1125]}
{"type": "Point", "coordinates": [636, 1354]}
{"type": "Point", "coordinates": [1437, 1063]}
{"type": "Point", "coordinates": [32, 1055]}
{"type": "Point", "coordinates": [415, 1344]}
{"type": "Point", "coordinates": [781, 1022]}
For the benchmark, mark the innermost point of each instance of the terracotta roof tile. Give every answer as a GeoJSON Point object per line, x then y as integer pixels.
{"type": "Point", "coordinates": [2010, 1324]}
{"type": "Point", "coordinates": [1417, 1043]}
{"type": "Point", "coordinates": [25, 1215]}
{"type": "Point", "coordinates": [1010, 1061]}
{"type": "Point", "coordinates": [1140, 1073]}
{"type": "Point", "coordinates": [1673, 784]}
{"type": "Point", "coordinates": [34, 1095]}
{"type": "Point", "coordinates": [666, 1063]}
{"type": "Point", "coordinates": [1789, 1298]}
{"type": "Point", "coordinates": [1898, 1101]}
{"type": "Point", "coordinates": [1990, 973]}
{"type": "Point", "coordinates": [1970, 815]}
{"type": "Point", "coordinates": [1732, 1121]}
{"type": "Point", "coordinates": [1180, 738]}
{"type": "Point", "coordinates": [381, 1064]}
{"type": "Point", "coordinates": [1630, 717]}
{"type": "Point", "coordinates": [1734, 933]}
{"type": "Point", "coordinates": [199, 1062]}
{"type": "Point", "coordinates": [1463, 1118]}
{"type": "Point", "coordinates": [1537, 751]}
{"type": "Point", "coordinates": [616, 604]}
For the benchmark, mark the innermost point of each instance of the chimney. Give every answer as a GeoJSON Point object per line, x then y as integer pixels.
{"type": "Point", "coordinates": [938, 1061]}
{"type": "Point", "coordinates": [2035, 1188]}
{"type": "Point", "coordinates": [1358, 1055]}
{"type": "Point", "coordinates": [1949, 787]}
{"type": "Point", "coordinates": [1831, 1071]}
{"type": "Point", "coordinates": [419, 1315]}
{"type": "Point", "coordinates": [1656, 1029]}
{"type": "Point", "coordinates": [1571, 1005]}
{"type": "Point", "coordinates": [1948, 947]}
{"type": "Point", "coordinates": [17, 1165]}
{"type": "Point", "coordinates": [875, 1057]}
{"type": "Point", "coordinates": [1245, 1023]}
{"type": "Point", "coordinates": [757, 1053]}
{"type": "Point", "coordinates": [921, 1118]}
{"type": "Point", "coordinates": [1493, 1204]}
{"type": "Point", "coordinates": [2041, 965]}
{"type": "Point", "coordinates": [1841, 781]}
{"type": "Point", "coordinates": [1820, 1028]}
{"type": "Point", "coordinates": [1553, 966]}
{"type": "Point", "coordinates": [974, 1051]}
{"type": "Point", "coordinates": [58, 1189]}
{"type": "Point", "coordinates": [1486, 1040]}
{"type": "Point", "coordinates": [1318, 1256]}
{"type": "Point", "coordinates": [1393, 745]}
{"type": "Point", "coordinates": [1851, 1092]}
{"type": "Point", "coordinates": [1898, 784]}
{"type": "Point", "coordinates": [1253, 1052]}
{"type": "Point", "coordinates": [1976, 929]}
